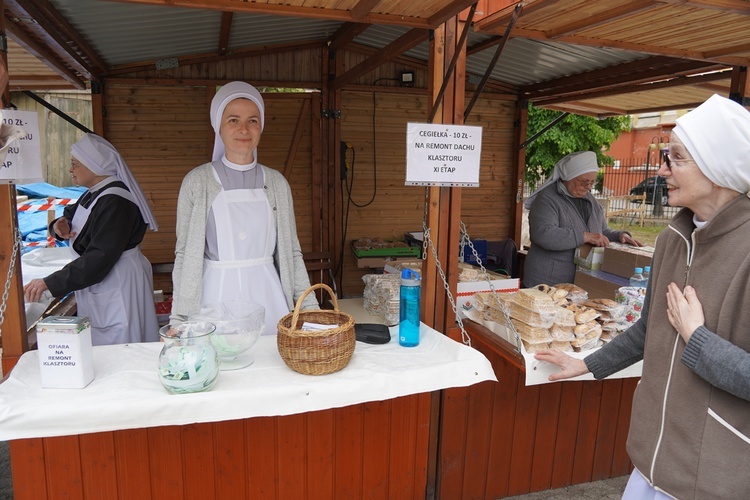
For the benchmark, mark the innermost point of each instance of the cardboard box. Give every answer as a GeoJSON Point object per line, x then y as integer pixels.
{"type": "Point", "coordinates": [623, 259]}
{"type": "Point", "coordinates": [66, 358]}
{"type": "Point", "coordinates": [589, 257]}
{"type": "Point", "coordinates": [600, 284]}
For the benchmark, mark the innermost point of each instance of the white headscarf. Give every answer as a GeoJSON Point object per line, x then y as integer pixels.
{"type": "Point", "coordinates": [717, 136]}
{"type": "Point", "coordinates": [225, 95]}
{"type": "Point", "coordinates": [569, 167]}
{"type": "Point", "coordinates": [101, 157]}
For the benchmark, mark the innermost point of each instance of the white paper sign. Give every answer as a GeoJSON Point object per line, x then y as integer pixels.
{"type": "Point", "coordinates": [443, 155]}
{"type": "Point", "coordinates": [23, 163]}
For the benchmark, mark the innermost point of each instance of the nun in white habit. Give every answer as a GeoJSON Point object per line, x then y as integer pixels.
{"type": "Point", "coordinates": [563, 216]}
{"type": "Point", "coordinates": [111, 278]}
{"type": "Point", "coordinates": [236, 231]}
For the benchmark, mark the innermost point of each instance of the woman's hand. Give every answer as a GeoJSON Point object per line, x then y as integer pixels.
{"type": "Point", "coordinates": [684, 311]}
{"type": "Point", "coordinates": [571, 367]}
{"type": "Point", "coordinates": [34, 289]}
{"type": "Point", "coordinates": [628, 240]}
{"type": "Point", "coordinates": [595, 239]}
{"type": "Point", "coordinates": [61, 227]}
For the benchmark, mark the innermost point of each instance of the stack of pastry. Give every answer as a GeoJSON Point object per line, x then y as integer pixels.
{"type": "Point", "coordinates": [576, 294]}
{"type": "Point", "coordinates": [611, 316]}
{"type": "Point", "coordinates": [544, 318]}
{"type": "Point", "coordinates": [587, 330]}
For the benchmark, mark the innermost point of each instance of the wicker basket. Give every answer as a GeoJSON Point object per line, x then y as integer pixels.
{"type": "Point", "coordinates": [316, 352]}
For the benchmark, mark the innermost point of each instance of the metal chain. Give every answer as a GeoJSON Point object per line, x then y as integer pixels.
{"type": "Point", "coordinates": [464, 336]}
{"type": "Point", "coordinates": [11, 267]}
{"type": "Point", "coordinates": [427, 241]}
{"type": "Point", "coordinates": [478, 260]}
{"type": "Point", "coordinates": [465, 240]}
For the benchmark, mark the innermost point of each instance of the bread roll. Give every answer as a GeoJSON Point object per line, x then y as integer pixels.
{"type": "Point", "coordinates": [554, 293]}
{"type": "Point", "coordinates": [583, 329]}
{"type": "Point", "coordinates": [601, 304]}
{"type": "Point", "coordinates": [576, 294]}
{"type": "Point", "coordinates": [583, 314]}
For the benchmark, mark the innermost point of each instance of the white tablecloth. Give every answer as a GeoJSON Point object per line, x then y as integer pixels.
{"type": "Point", "coordinates": [126, 392]}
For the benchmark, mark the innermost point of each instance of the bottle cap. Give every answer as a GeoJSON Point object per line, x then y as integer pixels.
{"type": "Point", "coordinates": [410, 278]}
{"type": "Point", "coordinates": [647, 269]}
{"type": "Point", "coordinates": [638, 270]}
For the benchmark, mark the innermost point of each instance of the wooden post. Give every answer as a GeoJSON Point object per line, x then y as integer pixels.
{"type": "Point", "coordinates": [519, 160]}
{"type": "Point", "coordinates": [739, 86]}
{"type": "Point", "coordinates": [444, 204]}
{"type": "Point", "coordinates": [13, 328]}
{"type": "Point", "coordinates": [443, 217]}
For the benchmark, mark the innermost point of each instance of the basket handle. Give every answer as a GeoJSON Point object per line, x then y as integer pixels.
{"type": "Point", "coordinates": [307, 292]}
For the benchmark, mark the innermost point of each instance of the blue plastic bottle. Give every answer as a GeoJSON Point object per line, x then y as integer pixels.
{"type": "Point", "coordinates": [408, 328]}
{"type": "Point", "coordinates": [646, 273]}
{"type": "Point", "coordinates": [637, 279]}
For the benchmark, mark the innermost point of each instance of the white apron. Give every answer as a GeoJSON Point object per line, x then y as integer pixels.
{"type": "Point", "coordinates": [121, 306]}
{"type": "Point", "coordinates": [246, 240]}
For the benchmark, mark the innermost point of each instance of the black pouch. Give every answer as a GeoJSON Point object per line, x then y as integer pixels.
{"type": "Point", "coordinates": [371, 333]}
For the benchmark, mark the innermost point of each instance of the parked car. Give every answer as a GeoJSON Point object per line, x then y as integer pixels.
{"type": "Point", "coordinates": [655, 188]}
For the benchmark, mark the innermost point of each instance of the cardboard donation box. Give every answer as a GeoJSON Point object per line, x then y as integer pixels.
{"type": "Point", "coordinates": [622, 259]}
{"type": "Point", "coordinates": [600, 284]}
{"type": "Point", "coordinates": [589, 257]}
{"type": "Point", "coordinates": [65, 352]}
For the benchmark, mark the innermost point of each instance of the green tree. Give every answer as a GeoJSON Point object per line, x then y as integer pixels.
{"type": "Point", "coordinates": [573, 133]}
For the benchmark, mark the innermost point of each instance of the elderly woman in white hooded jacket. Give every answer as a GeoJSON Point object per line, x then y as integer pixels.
{"type": "Point", "coordinates": [236, 230]}
{"type": "Point", "coordinates": [689, 431]}
{"type": "Point", "coordinates": [111, 278]}
{"type": "Point", "coordinates": [563, 215]}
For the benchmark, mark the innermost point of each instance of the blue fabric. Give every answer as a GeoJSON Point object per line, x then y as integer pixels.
{"type": "Point", "coordinates": [44, 190]}
{"type": "Point", "coordinates": [33, 224]}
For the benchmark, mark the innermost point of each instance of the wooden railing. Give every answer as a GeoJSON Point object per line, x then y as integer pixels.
{"type": "Point", "coordinates": [635, 206]}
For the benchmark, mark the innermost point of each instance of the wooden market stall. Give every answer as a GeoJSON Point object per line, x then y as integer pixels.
{"type": "Point", "coordinates": [338, 137]}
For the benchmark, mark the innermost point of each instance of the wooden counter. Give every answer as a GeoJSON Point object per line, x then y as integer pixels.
{"type": "Point", "coordinates": [504, 439]}
{"type": "Point", "coordinates": [140, 442]}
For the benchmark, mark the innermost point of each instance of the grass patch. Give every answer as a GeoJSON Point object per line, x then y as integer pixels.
{"type": "Point", "coordinates": [646, 234]}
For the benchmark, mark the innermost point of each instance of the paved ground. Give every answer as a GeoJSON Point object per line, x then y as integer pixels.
{"type": "Point", "coordinates": [607, 489]}
{"type": "Point", "coordinates": [6, 484]}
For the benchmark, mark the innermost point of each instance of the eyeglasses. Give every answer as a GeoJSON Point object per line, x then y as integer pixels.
{"type": "Point", "coordinates": [585, 183]}
{"type": "Point", "coordinates": [669, 161]}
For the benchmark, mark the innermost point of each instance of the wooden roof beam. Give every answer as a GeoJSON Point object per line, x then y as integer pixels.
{"type": "Point", "coordinates": [641, 87]}
{"type": "Point", "coordinates": [407, 41]}
{"type": "Point", "coordinates": [499, 19]}
{"type": "Point", "coordinates": [730, 6]}
{"type": "Point", "coordinates": [634, 47]}
{"type": "Point", "coordinates": [213, 56]}
{"type": "Point", "coordinates": [54, 31]}
{"type": "Point", "coordinates": [449, 11]}
{"type": "Point", "coordinates": [479, 47]}
{"type": "Point", "coordinates": [605, 17]}
{"type": "Point", "coordinates": [42, 53]}
{"type": "Point", "coordinates": [345, 34]}
{"type": "Point", "coordinates": [363, 8]}
{"type": "Point", "coordinates": [224, 31]}
{"type": "Point", "coordinates": [641, 70]}
{"type": "Point", "coordinates": [291, 10]}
